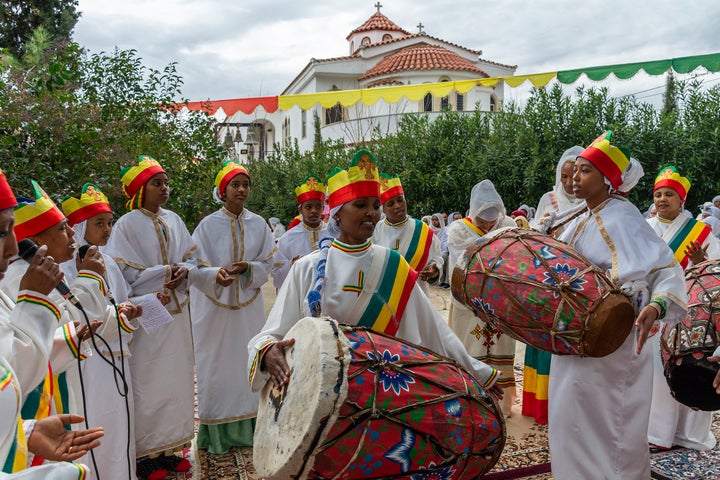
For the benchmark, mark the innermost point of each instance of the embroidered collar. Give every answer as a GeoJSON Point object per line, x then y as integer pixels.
{"type": "Point", "coordinates": [663, 220]}
{"type": "Point", "coordinates": [351, 248]}
{"type": "Point", "coordinates": [231, 214]}
{"type": "Point", "coordinates": [396, 225]}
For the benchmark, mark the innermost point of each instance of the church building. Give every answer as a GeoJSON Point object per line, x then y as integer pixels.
{"type": "Point", "coordinates": [380, 54]}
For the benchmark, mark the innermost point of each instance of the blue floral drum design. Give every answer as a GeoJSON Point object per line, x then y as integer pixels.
{"type": "Point", "coordinates": [542, 292]}
{"type": "Point", "coordinates": [409, 414]}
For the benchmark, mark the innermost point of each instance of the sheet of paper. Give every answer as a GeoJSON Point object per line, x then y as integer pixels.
{"type": "Point", "coordinates": [154, 315]}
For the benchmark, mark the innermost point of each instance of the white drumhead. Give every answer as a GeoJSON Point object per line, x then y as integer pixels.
{"type": "Point", "coordinates": [293, 422]}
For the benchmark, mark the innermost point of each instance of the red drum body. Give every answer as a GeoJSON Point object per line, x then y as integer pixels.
{"type": "Point", "coordinates": [542, 292]}
{"type": "Point", "coordinates": [395, 410]}
{"type": "Point", "coordinates": [686, 346]}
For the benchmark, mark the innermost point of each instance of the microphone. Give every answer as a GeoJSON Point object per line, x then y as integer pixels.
{"type": "Point", "coordinates": [27, 250]}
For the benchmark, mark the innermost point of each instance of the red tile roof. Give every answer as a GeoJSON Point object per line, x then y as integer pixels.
{"type": "Point", "coordinates": [378, 22]}
{"type": "Point", "coordinates": [422, 57]}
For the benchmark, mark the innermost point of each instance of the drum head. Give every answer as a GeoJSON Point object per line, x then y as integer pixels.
{"type": "Point", "coordinates": [293, 421]}
{"type": "Point", "coordinates": [608, 326]}
{"type": "Point", "coordinates": [691, 381]}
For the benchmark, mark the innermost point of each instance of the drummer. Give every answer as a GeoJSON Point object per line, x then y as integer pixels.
{"type": "Point", "coordinates": [482, 341]}
{"type": "Point", "coordinates": [357, 283]}
{"type": "Point", "coordinates": [671, 422]}
{"type": "Point", "coordinates": [599, 407]}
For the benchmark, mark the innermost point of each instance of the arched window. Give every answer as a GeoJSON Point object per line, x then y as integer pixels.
{"type": "Point", "coordinates": [493, 103]}
{"type": "Point", "coordinates": [387, 37]}
{"type": "Point", "coordinates": [428, 103]}
{"type": "Point", "coordinates": [445, 101]}
{"type": "Point", "coordinates": [334, 114]}
{"type": "Point", "coordinates": [365, 41]}
{"type": "Point", "coordinates": [459, 102]}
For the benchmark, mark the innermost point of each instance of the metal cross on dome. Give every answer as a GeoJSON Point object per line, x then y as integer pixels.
{"type": "Point", "coordinates": [420, 27]}
{"type": "Point", "coordinates": [378, 5]}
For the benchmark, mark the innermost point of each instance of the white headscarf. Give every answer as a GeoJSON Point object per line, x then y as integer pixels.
{"type": "Point", "coordinates": [485, 202]}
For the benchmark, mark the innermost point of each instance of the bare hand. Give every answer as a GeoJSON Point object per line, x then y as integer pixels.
{"type": "Point", "coordinates": [93, 261]}
{"type": "Point", "coordinates": [644, 322]}
{"type": "Point", "coordinates": [224, 278]}
{"type": "Point", "coordinates": [696, 252]}
{"type": "Point", "coordinates": [43, 274]}
{"type": "Point", "coordinates": [274, 362]}
{"type": "Point", "coordinates": [50, 440]}
{"type": "Point", "coordinates": [164, 298]}
{"type": "Point", "coordinates": [82, 331]}
{"type": "Point", "coordinates": [236, 268]}
{"type": "Point", "coordinates": [178, 275]}
{"type": "Point", "coordinates": [130, 310]}
{"type": "Point", "coordinates": [496, 392]}
{"type": "Point", "coordinates": [716, 382]}
{"type": "Point", "coordinates": [429, 273]}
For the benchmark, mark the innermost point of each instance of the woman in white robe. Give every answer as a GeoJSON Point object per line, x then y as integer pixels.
{"type": "Point", "coordinates": [355, 210]}
{"type": "Point", "coordinates": [156, 253]}
{"type": "Point", "coordinates": [227, 310]}
{"type": "Point", "coordinates": [599, 407]}
{"type": "Point", "coordinates": [671, 422]}
{"type": "Point", "coordinates": [482, 341]}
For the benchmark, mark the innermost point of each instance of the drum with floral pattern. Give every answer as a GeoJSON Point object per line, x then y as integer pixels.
{"type": "Point", "coordinates": [542, 292]}
{"type": "Point", "coordinates": [409, 413]}
{"type": "Point", "coordinates": [686, 346]}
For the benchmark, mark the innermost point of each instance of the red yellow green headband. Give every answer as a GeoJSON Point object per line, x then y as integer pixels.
{"type": "Point", "coordinates": [134, 178]}
{"type": "Point", "coordinates": [360, 180]}
{"type": "Point", "coordinates": [7, 197]}
{"type": "Point", "coordinates": [92, 202]}
{"type": "Point", "coordinates": [669, 177]}
{"type": "Point", "coordinates": [312, 188]}
{"type": "Point", "coordinates": [609, 159]}
{"type": "Point", "coordinates": [34, 217]}
{"type": "Point", "coordinates": [389, 187]}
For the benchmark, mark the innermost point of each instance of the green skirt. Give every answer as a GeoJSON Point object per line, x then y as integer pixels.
{"type": "Point", "coordinates": [217, 439]}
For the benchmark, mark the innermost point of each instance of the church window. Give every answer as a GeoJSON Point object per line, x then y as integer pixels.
{"type": "Point", "coordinates": [493, 103]}
{"type": "Point", "coordinates": [386, 37]}
{"type": "Point", "coordinates": [428, 103]}
{"type": "Point", "coordinates": [303, 122]}
{"type": "Point", "coordinates": [365, 41]}
{"type": "Point", "coordinates": [334, 114]}
{"type": "Point", "coordinates": [459, 102]}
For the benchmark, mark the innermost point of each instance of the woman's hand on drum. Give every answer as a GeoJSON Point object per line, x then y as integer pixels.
{"type": "Point", "coordinates": [430, 273]}
{"type": "Point", "coordinates": [275, 363]}
{"type": "Point", "coordinates": [644, 322]}
{"type": "Point", "coordinates": [497, 392]}
{"type": "Point", "coordinates": [716, 382]}
{"type": "Point", "coordinates": [696, 252]}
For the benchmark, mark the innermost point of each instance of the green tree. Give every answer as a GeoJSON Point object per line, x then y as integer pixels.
{"type": "Point", "coordinates": [67, 118]}
{"type": "Point", "coordinates": [20, 18]}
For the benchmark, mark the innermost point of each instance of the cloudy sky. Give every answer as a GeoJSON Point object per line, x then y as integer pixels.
{"type": "Point", "coordinates": [232, 49]}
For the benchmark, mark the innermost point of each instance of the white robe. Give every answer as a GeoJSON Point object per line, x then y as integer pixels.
{"type": "Point", "coordinates": [297, 241]}
{"type": "Point", "coordinates": [420, 323]}
{"type": "Point", "coordinates": [225, 319]}
{"type": "Point", "coordinates": [398, 237]}
{"type": "Point", "coordinates": [599, 407]}
{"type": "Point", "coordinates": [480, 341]}
{"type": "Point", "coordinates": [144, 245]}
{"type": "Point", "coordinates": [109, 404]}
{"type": "Point", "coordinates": [671, 422]}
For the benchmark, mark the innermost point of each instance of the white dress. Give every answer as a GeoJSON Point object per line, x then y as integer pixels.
{"type": "Point", "coordinates": [299, 240]}
{"type": "Point", "coordinates": [224, 319]}
{"type": "Point", "coordinates": [671, 422]}
{"type": "Point", "coordinates": [419, 324]}
{"type": "Point", "coordinates": [144, 245]}
{"type": "Point", "coordinates": [480, 339]}
{"type": "Point", "coordinates": [599, 407]}
{"type": "Point", "coordinates": [110, 402]}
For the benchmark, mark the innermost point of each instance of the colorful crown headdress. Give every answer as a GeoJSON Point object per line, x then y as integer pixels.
{"type": "Point", "coordinates": [35, 216]}
{"type": "Point", "coordinates": [390, 187]}
{"type": "Point", "coordinates": [609, 159]}
{"type": "Point", "coordinates": [312, 188]}
{"type": "Point", "coordinates": [92, 202]}
{"type": "Point", "coordinates": [669, 177]}
{"type": "Point", "coordinates": [228, 170]}
{"type": "Point", "coordinates": [360, 180]}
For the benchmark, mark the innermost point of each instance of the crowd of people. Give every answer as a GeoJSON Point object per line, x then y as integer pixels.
{"type": "Point", "coordinates": [150, 308]}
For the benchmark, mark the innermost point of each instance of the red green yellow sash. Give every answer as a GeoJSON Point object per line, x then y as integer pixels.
{"type": "Point", "coordinates": [690, 231]}
{"type": "Point", "coordinates": [16, 459]}
{"type": "Point", "coordinates": [418, 251]}
{"type": "Point", "coordinates": [473, 227]}
{"type": "Point", "coordinates": [385, 309]}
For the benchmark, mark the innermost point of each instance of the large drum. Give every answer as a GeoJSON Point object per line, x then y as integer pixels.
{"type": "Point", "coordinates": [542, 292]}
{"type": "Point", "coordinates": [686, 346]}
{"type": "Point", "coordinates": [361, 404]}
